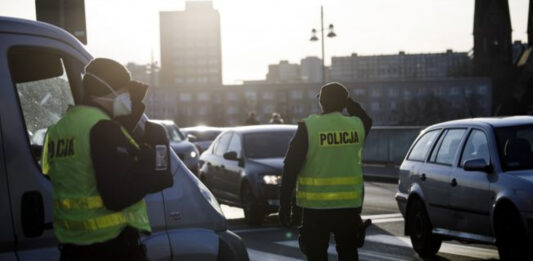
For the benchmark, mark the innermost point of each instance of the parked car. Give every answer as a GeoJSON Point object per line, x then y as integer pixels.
{"type": "Point", "coordinates": [243, 168]}
{"type": "Point", "coordinates": [470, 180]}
{"type": "Point", "coordinates": [40, 78]}
{"type": "Point", "coordinates": [186, 150]}
{"type": "Point", "coordinates": [202, 136]}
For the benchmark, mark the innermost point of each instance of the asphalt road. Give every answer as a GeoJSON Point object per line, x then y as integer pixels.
{"type": "Point", "coordinates": [384, 241]}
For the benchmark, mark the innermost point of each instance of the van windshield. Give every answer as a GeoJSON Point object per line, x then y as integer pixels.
{"type": "Point", "coordinates": [515, 147]}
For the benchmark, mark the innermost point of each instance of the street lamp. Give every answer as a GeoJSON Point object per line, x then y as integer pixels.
{"type": "Point", "coordinates": [330, 34]}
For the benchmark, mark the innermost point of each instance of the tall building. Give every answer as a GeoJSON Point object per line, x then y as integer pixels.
{"type": "Point", "coordinates": [146, 73]}
{"type": "Point", "coordinates": [191, 45]}
{"type": "Point", "coordinates": [284, 72]}
{"type": "Point", "coordinates": [400, 66]}
{"type": "Point", "coordinates": [311, 69]}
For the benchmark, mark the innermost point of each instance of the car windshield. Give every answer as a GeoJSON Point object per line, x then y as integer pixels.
{"type": "Point", "coordinates": [174, 133]}
{"type": "Point", "coordinates": [514, 145]}
{"type": "Point", "coordinates": [267, 144]}
{"type": "Point", "coordinates": [207, 135]}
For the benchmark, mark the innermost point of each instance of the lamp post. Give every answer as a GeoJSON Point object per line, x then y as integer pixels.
{"type": "Point", "coordinates": [330, 34]}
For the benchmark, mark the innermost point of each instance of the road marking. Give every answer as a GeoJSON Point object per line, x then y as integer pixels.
{"type": "Point", "coordinates": [448, 248]}
{"type": "Point", "coordinates": [394, 215]}
{"type": "Point", "coordinates": [257, 255]}
{"type": "Point", "coordinates": [363, 253]}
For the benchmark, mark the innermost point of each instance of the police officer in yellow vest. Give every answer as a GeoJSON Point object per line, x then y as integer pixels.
{"type": "Point", "coordinates": [324, 163]}
{"type": "Point", "coordinates": [99, 173]}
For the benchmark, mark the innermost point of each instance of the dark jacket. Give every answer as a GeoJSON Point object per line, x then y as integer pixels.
{"type": "Point", "coordinates": [297, 153]}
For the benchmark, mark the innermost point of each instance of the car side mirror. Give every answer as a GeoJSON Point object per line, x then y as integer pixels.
{"type": "Point", "coordinates": [477, 165]}
{"type": "Point", "coordinates": [231, 155]}
{"type": "Point", "coordinates": [191, 138]}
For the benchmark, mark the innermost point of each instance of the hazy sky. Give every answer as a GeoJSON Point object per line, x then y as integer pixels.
{"type": "Point", "coordinates": [256, 33]}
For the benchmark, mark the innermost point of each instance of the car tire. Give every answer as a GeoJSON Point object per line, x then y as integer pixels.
{"type": "Point", "coordinates": [424, 242]}
{"type": "Point", "coordinates": [511, 240]}
{"type": "Point", "coordinates": [254, 213]}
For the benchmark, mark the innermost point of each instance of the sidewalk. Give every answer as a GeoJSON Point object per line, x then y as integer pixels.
{"type": "Point", "coordinates": [380, 173]}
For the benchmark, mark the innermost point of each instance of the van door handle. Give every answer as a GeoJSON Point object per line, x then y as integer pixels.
{"type": "Point", "coordinates": [176, 215]}
{"type": "Point", "coordinates": [423, 177]}
{"type": "Point", "coordinates": [454, 182]}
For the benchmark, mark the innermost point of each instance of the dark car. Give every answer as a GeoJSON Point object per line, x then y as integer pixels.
{"type": "Point", "coordinates": [243, 168]}
{"type": "Point", "coordinates": [186, 151]}
{"type": "Point", "coordinates": [202, 136]}
{"type": "Point", "coordinates": [470, 180]}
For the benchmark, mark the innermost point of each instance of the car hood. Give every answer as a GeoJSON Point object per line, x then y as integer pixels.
{"type": "Point", "coordinates": [276, 164]}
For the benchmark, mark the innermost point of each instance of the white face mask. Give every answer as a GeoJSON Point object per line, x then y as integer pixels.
{"type": "Point", "coordinates": [121, 103]}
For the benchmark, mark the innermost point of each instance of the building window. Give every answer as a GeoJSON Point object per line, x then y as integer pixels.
{"type": "Point", "coordinates": [482, 90]}
{"type": "Point", "coordinates": [268, 95]}
{"type": "Point", "coordinates": [393, 92]}
{"type": "Point", "coordinates": [375, 106]}
{"type": "Point", "coordinates": [185, 97]}
{"type": "Point", "coordinates": [296, 95]}
{"type": "Point", "coordinates": [232, 96]}
{"type": "Point", "coordinates": [268, 108]}
{"type": "Point", "coordinates": [231, 110]}
{"type": "Point", "coordinates": [203, 96]}
{"type": "Point", "coordinates": [312, 94]}
{"type": "Point", "coordinates": [454, 91]}
{"type": "Point", "coordinates": [376, 93]}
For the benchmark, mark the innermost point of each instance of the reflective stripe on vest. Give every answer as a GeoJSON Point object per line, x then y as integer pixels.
{"type": "Point", "coordinates": [332, 175]}
{"type": "Point", "coordinates": [79, 203]}
{"type": "Point", "coordinates": [111, 220]}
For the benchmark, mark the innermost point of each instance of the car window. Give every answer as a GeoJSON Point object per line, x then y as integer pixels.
{"type": "Point", "coordinates": [267, 144]}
{"type": "Point", "coordinates": [422, 146]}
{"type": "Point", "coordinates": [206, 135]}
{"type": "Point", "coordinates": [40, 77]}
{"type": "Point", "coordinates": [515, 146]}
{"type": "Point", "coordinates": [476, 147]}
{"type": "Point", "coordinates": [448, 148]}
{"type": "Point", "coordinates": [222, 144]}
{"type": "Point", "coordinates": [235, 145]}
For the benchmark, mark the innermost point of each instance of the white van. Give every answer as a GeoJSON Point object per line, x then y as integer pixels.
{"type": "Point", "coordinates": [41, 69]}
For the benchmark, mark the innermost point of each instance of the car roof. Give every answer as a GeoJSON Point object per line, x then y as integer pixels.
{"type": "Point", "coordinates": [494, 122]}
{"type": "Point", "coordinates": [14, 25]}
{"type": "Point", "coordinates": [263, 128]}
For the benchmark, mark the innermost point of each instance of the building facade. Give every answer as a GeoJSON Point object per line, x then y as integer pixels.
{"type": "Point", "coordinates": [400, 66]}
{"type": "Point", "coordinates": [147, 73]}
{"type": "Point", "coordinates": [311, 69]}
{"type": "Point", "coordinates": [284, 72]}
{"type": "Point", "coordinates": [414, 102]}
{"type": "Point", "coordinates": [191, 45]}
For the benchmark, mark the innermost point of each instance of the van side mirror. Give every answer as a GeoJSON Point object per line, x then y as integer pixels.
{"type": "Point", "coordinates": [32, 214]}
{"type": "Point", "coordinates": [191, 138]}
{"type": "Point", "coordinates": [232, 155]}
{"type": "Point", "coordinates": [477, 165]}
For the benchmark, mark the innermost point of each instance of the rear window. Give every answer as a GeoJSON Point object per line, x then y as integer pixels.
{"type": "Point", "coordinates": [514, 147]}
{"type": "Point", "coordinates": [267, 144]}
{"type": "Point", "coordinates": [422, 146]}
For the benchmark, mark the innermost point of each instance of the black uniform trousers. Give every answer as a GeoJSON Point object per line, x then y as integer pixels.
{"type": "Point", "coordinates": [126, 246]}
{"type": "Point", "coordinates": [318, 224]}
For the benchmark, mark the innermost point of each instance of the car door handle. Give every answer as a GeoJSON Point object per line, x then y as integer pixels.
{"type": "Point", "coordinates": [454, 182]}
{"type": "Point", "coordinates": [176, 215]}
{"type": "Point", "coordinates": [423, 177]}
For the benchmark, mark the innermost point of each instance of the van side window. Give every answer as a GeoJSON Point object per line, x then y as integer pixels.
{"type": "Point", "coordinates": [476, 147]}
{"type": "Point", "coordinates": [43, 89]}
{"type": "Point", "coordinates": [222, 144]}
{"type": "Point", "coordinates": [449, 146]}
{"type": "Point", "coordinates": [422, 146]}
{"type": "Point", "coordinates": [235, 145]}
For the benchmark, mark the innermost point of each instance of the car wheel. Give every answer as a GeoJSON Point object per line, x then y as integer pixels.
{"type": "Point", "coordinates": [253, 211]}
{"type": "Point", "coordinates": [511, 240]}
{"type": "Point", "coordinates": [424, 242]}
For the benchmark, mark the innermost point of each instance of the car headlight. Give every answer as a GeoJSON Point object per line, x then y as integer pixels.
{"type": "Point", "coordinates": [271, 179]}
{"type": "Point", "coordinates": [193, 154]}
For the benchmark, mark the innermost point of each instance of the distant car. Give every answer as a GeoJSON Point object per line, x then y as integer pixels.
{"type": "Point", "coordinates": [470, 180]}
{"type": "Point", "coordinates": [243, 168]}
{"type": "Point", "coordinates": [202, 136]}
{"type": "Point", "coordinates": [186, 151]}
